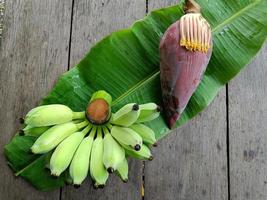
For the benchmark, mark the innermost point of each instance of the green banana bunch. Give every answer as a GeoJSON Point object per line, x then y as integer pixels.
{"type": "Point", "coordinates": [148, 112]}
{"type": "Point", "coordinates": [34, 131]}
{"type": "Point", "coordinates": [145, 132]}
{"type": "Point", "coordinates": [127, 115]}
{"type": "Point", "coordinates": [143, 154]}
{"type": "Point", "coordinates": [98, 171]}
{"type": "Point", "coordinates": [126, 136]}
{"type": "Point", "coordinates": [64, 152]}
{"type": "Point", "coordinates": [113, 154]}
{"type": "Point", "coordinates": [111, 137]}
{"type": "Point", "coordinates": [51, 115]}
{"type": "Point", "coordinates": [122, 170]}
{"type": "Point", "coordinates": [79, 166]}
{"type": "Point", "coordinates": [54, 135]}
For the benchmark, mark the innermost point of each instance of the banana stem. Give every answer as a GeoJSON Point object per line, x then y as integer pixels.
{"type": "Point", "coordinates": [78, 115]}
{"type": "Point", "coordinates": [82, 124]}
{"type": "Point", "coordinates": [101, 94]}
{"type": "Point", "coordinates": [109, 126]}
{"type": "Point", "coordinates": [99, 131]}
{"type": "Point", "coordinates": [86, 129]}
{"type": "Point", "coordinates": [92, 132]}
{"type": "Point", "coordinates": [105, 130]}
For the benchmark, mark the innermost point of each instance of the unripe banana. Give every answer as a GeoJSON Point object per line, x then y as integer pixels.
{"type": "Point", "coordinates": [97, 169]}
{"type": "Point", "coordinates": [113, 153]}
{"type": "Point", "coordinates": [64, 152]}
{"type": "Point", "coordinates": [79, 166]}
{"type": "Point", "coordinates": [122, 170]}
{"type": "Point", "coordinates": [54, 135]}
{"type": "Point", "coordinates": [145, 132]}
{"type": "Point", "coordinates": [127, 115]}
{"type": "Point", "coordinates": [51, 115]}
{"type": "Point", "coordinates": [143, 154]}
{"type": "Point", "coordinates": [148, 112]}
{"type": "Point", "coordinates": [34, 131]}
{"type": "Point", "coordinates": [127, 137]}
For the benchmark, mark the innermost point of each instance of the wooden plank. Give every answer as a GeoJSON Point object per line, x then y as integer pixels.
{"type": "Point", "coordinates": [2, 11]}
{"type": "Point", "coordinates": [93, 20]}
{"type": "Point", "coordinates": [191, 163]}
{"type": "Point", "coordinates": [34, 51]}
{"type": "Point", "coordinates": [247, 131]}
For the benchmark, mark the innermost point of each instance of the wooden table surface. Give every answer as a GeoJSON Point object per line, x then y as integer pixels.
{"type": "Point", "coordinates": [221, 154]}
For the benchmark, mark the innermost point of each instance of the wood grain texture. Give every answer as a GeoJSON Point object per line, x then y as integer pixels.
{"type": "Point", "coordinates": [34, 51]}
{"type": "Point", "coordinates": [92, 20]}
{"type": "Point", "coordinates": [191, 163]}
{"type": "Point", "coordinates": [247, 131]}
{"type": "Point", "coordinates": [2, 11]}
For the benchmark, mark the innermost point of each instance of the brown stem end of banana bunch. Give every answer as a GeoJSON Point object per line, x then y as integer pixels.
{"type": "Point", "coordinates": [98, 111]}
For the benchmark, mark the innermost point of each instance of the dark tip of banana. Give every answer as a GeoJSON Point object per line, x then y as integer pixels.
{"type": "Point", "coordinates": [135, 107]}
{"type": "Point", "coordinates": [159, 109]}
{"type": "Point", "coordinates": [150, 158]}
{"type": "Point", "coordinates": [137, 147]}
{"type": "Point", "coordinates": [95, 186]}
{"type": "Point", "coordinates": [54, 176]}
{"type": "Point", "coordinates": [125, 180]}
{"type": "Point", "coordinates": [46, 169]}
{"type": "Point", "coordinates": [30, 151]}
{"type": "Point", "coordinates": [110, 170]}
{"type": "Point", "coordinates": [21, 120]}
{"type": "Point", "coordinates": [155, 144]}
{"type": "Point", "coordinates": [21, 132]}
{"type": "Point", "coordinates": [101, 186]}
{"type": "Point", "coordinates": [76, 186]}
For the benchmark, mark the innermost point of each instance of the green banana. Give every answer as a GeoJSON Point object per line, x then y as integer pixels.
{"type": "Point", "coordinates": [143, 154]}
{"type": "Point", "coordinates": [51, 115]}
{"type": "Point", "coordinates": [79, 166]}
{"type": "Point", "coordinates": [122, 170]}
{"type": "Point", "coordinates": [113, 153]}
{"type": "Point", "coordinates": [54, 135]}
{"type": "Point", "coordinates": [127, 137]}
{"type": "Point", "coordinates": [34, 131]}
{"type": "Point", "coordinates": [148, 112]}
{"type": "Point", "coordinates": [127, 115]}
{"type": "Point", "coordinates": [145, 132]}
{"type": "Point", "coordinates": [64, 152]}
{"type": "Point", "coordinates": [97, 169]}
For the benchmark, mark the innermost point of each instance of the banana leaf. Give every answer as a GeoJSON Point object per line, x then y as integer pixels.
{"type": "Point", "coordinates": [126, 64]}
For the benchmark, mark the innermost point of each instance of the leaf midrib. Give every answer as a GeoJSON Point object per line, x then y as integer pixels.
{"type": "Point", "coordinates": [23, 169]}
{"type": "Point", "coordinates": [155, 73]}
{"type": "Point", "coordinates": [237, 14]}
{"type": "Point", "coordinates": [137, 85]}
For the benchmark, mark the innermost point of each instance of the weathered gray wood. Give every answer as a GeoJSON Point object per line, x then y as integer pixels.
{"type": "Point", "coordinates": [191, 163]}
{"type": "Point", "coordinates": [247, 131]}
{"type": "Point", "coordinates": [33, 52]}
{"type": "Point", "coordinates": [2, 11]}
{"type": "Point", "coordinates": [93, 20]}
